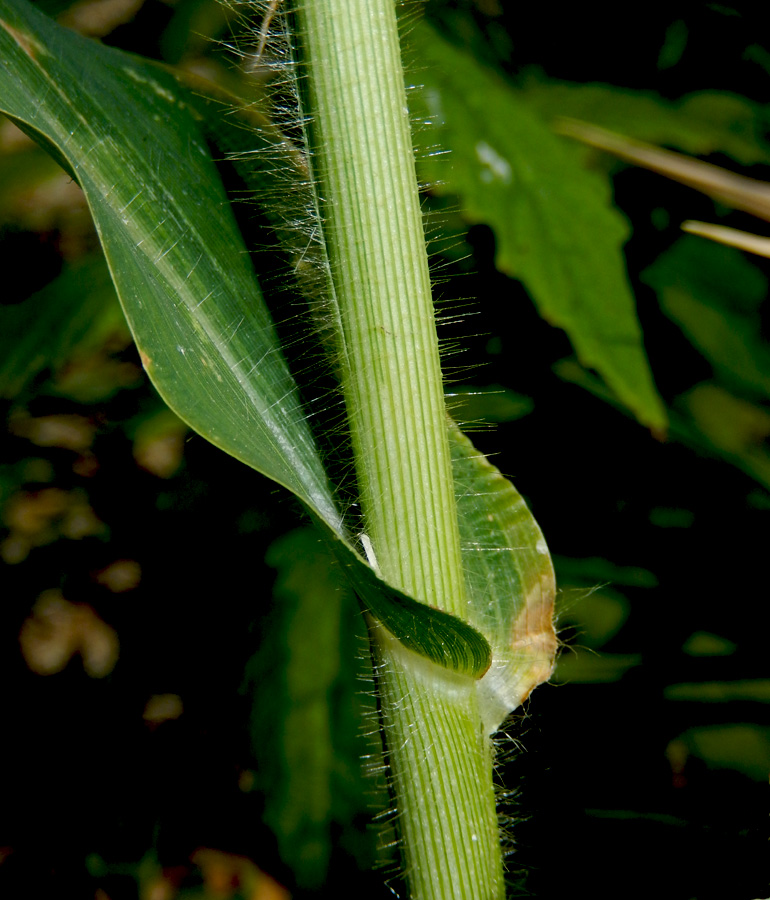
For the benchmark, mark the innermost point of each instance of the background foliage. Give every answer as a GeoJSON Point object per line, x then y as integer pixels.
{"type": "Point", "coordinates": [182, 697]}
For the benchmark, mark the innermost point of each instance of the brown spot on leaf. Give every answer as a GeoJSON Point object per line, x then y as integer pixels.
{"type": "Point", "coordinates": [25, 42]}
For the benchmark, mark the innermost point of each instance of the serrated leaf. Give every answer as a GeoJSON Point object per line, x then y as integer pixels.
{"type": "Point", "coordinates": [509, 578]}
{"type": "Point", "coordinates": [126, 131]}
{"type": "Point", "coordinates": [555, 226]}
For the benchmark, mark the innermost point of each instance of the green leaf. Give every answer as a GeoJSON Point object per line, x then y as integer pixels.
{"type": "Point", "coordinates": [598, 613]}
{"type": "Point", "coordinates": [590, 571]}
{"type": "Point", "coordinates": [126, 131]}
{"type": "Point", "coordinates": [702, 123]}
{"type": "Point", "coordinates": [57, 321]}
{"type": "Point", "coordinates": [587, 667]}
{"type": "Point", "coordinates": [703, 643]}
{"type": "Point", "coordinates": [755, 691]}
{"type": "Point", "coordinates": [307, 708]}
{"type": "Point", "coordinates": [444, 639]}
{"type": "Point", "coordinates": [509, 578]}
{"type": "Point", "coordinates": [475, 408]}
{"type": "Point", "coordinates": [707, 418]}
{"type": "Point", "coordinates": [714, 293]}
{"type": "Point", "coordinates": [711, 418]}
{"type": "Point", "coordinates": [554, 222]}
{"type": "Point", "coordinates": [743, 748]}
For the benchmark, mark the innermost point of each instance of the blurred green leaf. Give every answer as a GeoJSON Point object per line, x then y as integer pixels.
{"type": "Point", "coordinates": [709, 419]}
{"type": "Point", "coordinates": [193, 26]}
{"type": "Point", "coordinates": [23, 170]}
{"type": "Point", "coordinates": [757, 691]}
{"type": "Point", "coordinates": [554, 222]}
{"type": "Point", "coordinates": [714, 294]}
{"type": "Point", "coordinates": [726, 426]}
{"type": "Point", "coordinates": [700, 124]}
{"type": "Point", "coordinates": [307, 709]}
{"type": "Point", "coordinates": [743, 748]}
{"type": "Point", "coordinates": [597, 615]}
{"type": "Point", "coordinates": [673, 45]}
{"type": "Point", "coordinates": [71, 315]}
{"type": "Point", "coordinates": [475, 407]}
{"type": "Point", "coordinates": [591, 570]}
{"type": "Point", "coordinates": [587, 667]}
{"type": "Point", "coordinates": [703, 643]}
{"type": "Point", "coordinates": [670, 517]}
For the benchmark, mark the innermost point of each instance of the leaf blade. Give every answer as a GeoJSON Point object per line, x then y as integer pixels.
{"type": "Point", "coordinates": [556, 229]}
{"type": "Point", "coordinates": [127, 133]}
{"type": "Point", "coordinates": [180, 273]}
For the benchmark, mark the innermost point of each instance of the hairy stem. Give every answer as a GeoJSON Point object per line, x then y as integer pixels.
{"type": "Point", "coordinates": [393, 386]}
{"type": "Point", "coordinates": [363, 160]}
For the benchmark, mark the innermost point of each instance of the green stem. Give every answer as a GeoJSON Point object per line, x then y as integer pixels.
{"type": "Point", "coordinates": [441, 765]}
{"type": "Point", "coordinates": [372, 221]}
{"type": "Point", "coordinates": [362, 157]}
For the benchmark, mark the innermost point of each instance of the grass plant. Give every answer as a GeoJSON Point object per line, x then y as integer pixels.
{"type": "Point", "coordinates": [313, 121]}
